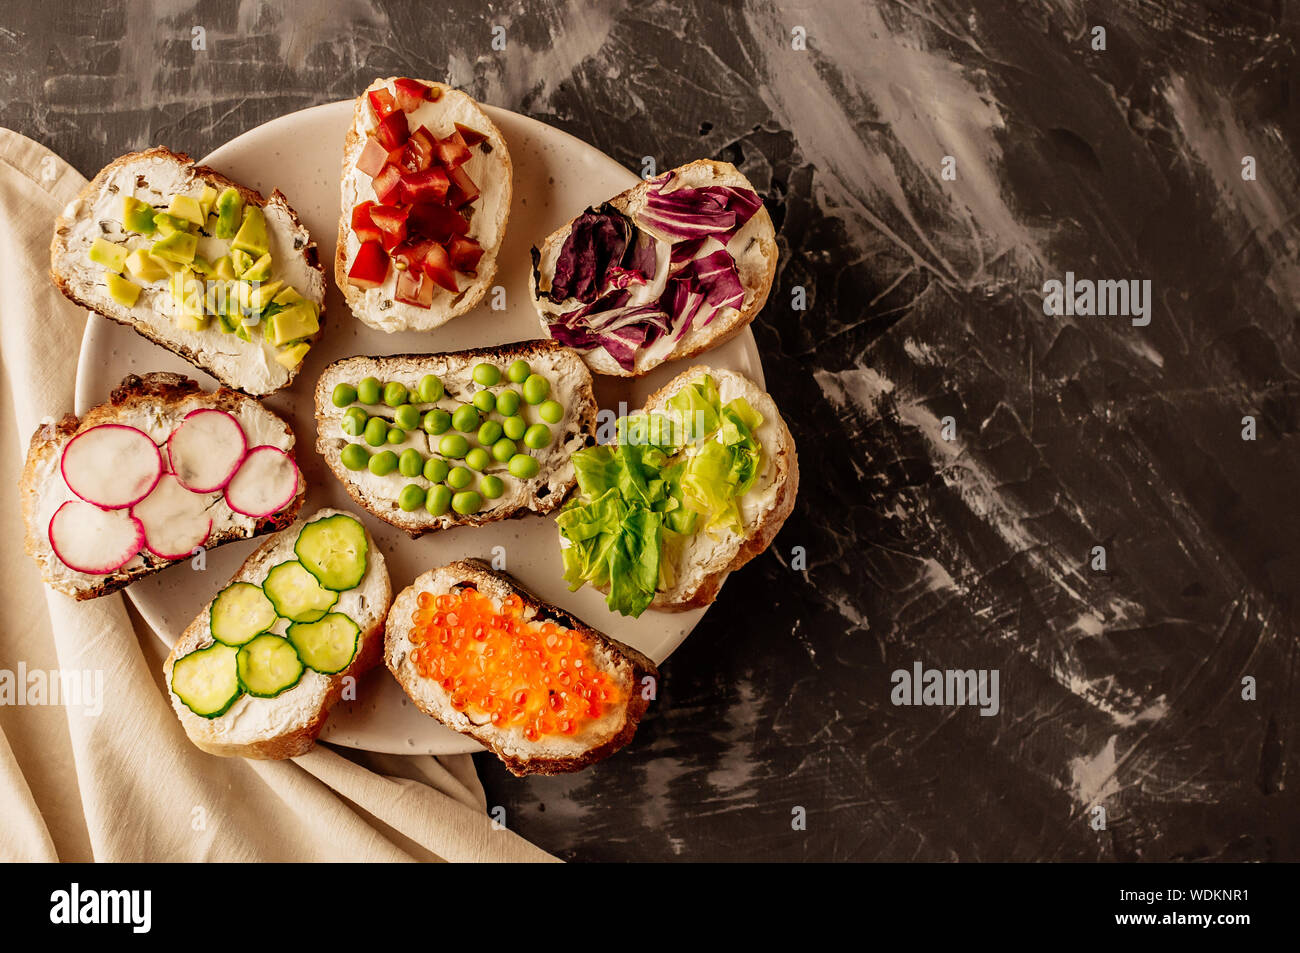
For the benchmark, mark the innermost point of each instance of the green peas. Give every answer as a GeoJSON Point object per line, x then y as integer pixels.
{"type": "Point", "coordinates": [368, 390]}
{"type": "Point", "coordinates": [395, 394]}
{"type": "Point", "coordinates": [537, 436]}
{"type": "Point", "coordinates": [459, 478]}
{"type": "Point", "coordinates": [376, 431]}
{"type": "Point", "coordinates": [396, 435]}
{"type": "Point", "coordinates": [465, 419]}
{"type": "Point", "coordinates": [478, 459]}
{"type": "Point", "coordinates": [492, 487]}
{"type": "Point", "coordinates": [408, 417]}
{"type": "Point", "coordinates": [438, 500]}
{"type": "Point", "coordinates": [514, 427]}
{"type": "Point", "coordinates": [489, 433]}
{"type": "Point", "coordinates": [343, 395]}
{"type": "Point", "coordinates": [552, 411]}
{"type": "Point", "coordinates": [354, 422]}
{"type": "Point", "coordinates": [383, 463]}
{"type": "Point", "coordinates": [453, 445]}
{"type": "Point", "coordinates": [486, 374]}
{"type": "Point", "coordinates": [485, 401]}
{"type": "Point", "coordinates": [503, 450]}
{"type": "Point", "coordinates": [466, 502]}
{"type": "Point", "coordinates": [435, 469]}
{"type": "Point", "coordinates": [523, 466]}
{"type": "Point", "coordinates": [354, 456]}
{"type": "Point", "coordinates": [508, 403]}
{"type": "Point", "coordinates": [411, 497]}
{"type": "Point", "coordinates": [410, 463]}
{"type": "Point", "coordinates": [535, 388]}
{"type": "Point", "coordinates": [430, 389]}
{"type": "Point", "coordinates": [518, 371]}
{"type": "Point", "coordinates": [436, 422]}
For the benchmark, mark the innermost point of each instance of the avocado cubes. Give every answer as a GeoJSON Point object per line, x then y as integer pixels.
{"type": "Point", "coordinates": [230, 211]}
{"type": "Point", "coordinates": [251, 236]}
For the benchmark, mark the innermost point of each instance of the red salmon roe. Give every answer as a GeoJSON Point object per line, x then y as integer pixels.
{"type": "Point", "coordinates": [513, 672]}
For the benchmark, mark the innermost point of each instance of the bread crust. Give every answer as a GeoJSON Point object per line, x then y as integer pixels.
{"type": "Point", "coordinates": [134, 391]}
{"type": "Point", "coordinates": [487, 269]}
{"type": "Point", "coordinates": [420, 522]}
{"type": "Point", "coordinates": [58, 249]}
{"type": "Point", "coordinates": [721, 329]}
{"type": "Point", "coordinates": [482, 576]}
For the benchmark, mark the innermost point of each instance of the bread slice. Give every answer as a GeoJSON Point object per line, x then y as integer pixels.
{"type": "Point", "coordinates": [491, 170]}
{"type": "Point", "coordinates": [155, 403]}
{"type": "Point", "coordinates": [707, 557]}
{"type": "Point", "coordinates": [552, 754]}
{"type": "Point", "coordinates": [753, 248]}
{"type": "Point", "coordinates": [571, 385]}
{"type": "Point", "coordinates": [287, 725]}
{"type": "Point", "coordinates": [154, 177]}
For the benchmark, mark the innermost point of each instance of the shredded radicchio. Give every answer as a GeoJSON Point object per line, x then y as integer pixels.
{"type": "Point", "coordinates": [692, 213]}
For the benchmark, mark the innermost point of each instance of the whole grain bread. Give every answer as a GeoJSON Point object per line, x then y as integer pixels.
{"type": "Point", "coordinates": [153, 395]}
{"type": "Point", "coordinates": [541, 494]}
{"type": "Point", "coordinates": [287, 725]}
{"type": "Point", "coordinates": [552, 755]}
{"type": "Point", "coordinates": [246, 366]}
{"type": "Point", "coordinates": [755, 264]}
{"type": "Point", "coordinates": [490, 168]}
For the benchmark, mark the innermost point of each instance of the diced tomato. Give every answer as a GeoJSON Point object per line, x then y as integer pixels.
{"type": "Point", "coordinates": [362, 224]}
{"type": "Point", "coordinates": [418, 152]}
{"type": "Point", "coordinates": [436, 222]}
{"type": "Point", "coordinates": [373, 157]}
{"type": "Point", "coordinates": [390, 218]}
{"type": "Point", "coordinates": [382, 103]}
{"type": "Point", "coordinates": [412, 252]}
{"type": "Point", "coordinates": [388, 184]}
{"type": "Point", "coordinates": [438, 267]}
{"type": "Point", "coordinates": [452, 151]}
{"type": "Point", "coordinates": [463, 190]}
{"type": "Point", "coordinates": [370, 268]}
{"type": "Point", "coordinates": [464, 254]}
{"type": "Point", "coordinates": [414, 288]}
{"type": "Point", "coordinates": [471, 137]}
{"type": "Point", "coordinates": [427, 186]}
{"type": "Point", "coordinates": [410, 93]}
{"type": "Point", "coordinates": [393, 130]}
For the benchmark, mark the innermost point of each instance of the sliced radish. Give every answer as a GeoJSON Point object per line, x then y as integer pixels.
{"type": "Point", "coordinates": [264, 484]}
{"type": "Point", "coordinates": [112, 465]}
{"type": "Point", "coordinates": [92, 540]}
{"type": "Point", "coordinates": [175, 520]}
{"type": "Point", "coordinates": [206, 450]}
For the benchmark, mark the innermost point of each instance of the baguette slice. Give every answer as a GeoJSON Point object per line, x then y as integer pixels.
{"type": "Point", "coordinates": [556, 754]}
{"type": "Point", "coordinates": [287, 725]}
{"type": "Point", "coordinates": [154, 177]}
{"type": "Point", "coordinates": [571, 385]}
{"type": "Point", "coordinates": [705, 559]}
{"type": "Point", "coordinates": [753, 249]}
{"type": "Point", "coordinates": [155, 403]}
{"type": "Point", "coordinates": [490, 169]}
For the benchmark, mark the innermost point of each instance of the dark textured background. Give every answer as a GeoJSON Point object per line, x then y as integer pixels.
{"type": "Point", "coordinates": [1120, 688]}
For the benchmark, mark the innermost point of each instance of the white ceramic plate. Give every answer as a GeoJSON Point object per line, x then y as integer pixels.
{"type": "Point", "coordinates": [556, 177]}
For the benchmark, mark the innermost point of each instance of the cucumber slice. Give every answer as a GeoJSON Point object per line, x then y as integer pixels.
{"type": "Point", "coordinates": [268, 665]}
{"type": "Point", "coordinates": [206, 680]}
{"type": "Point", "coordinates": [296, 594]}
{"type": "Point", "coordinates": [239, 612]}
{"type": "Point", "coordinates": [334, 551]}
{"type": "Point", "coordinates": [329, 645]}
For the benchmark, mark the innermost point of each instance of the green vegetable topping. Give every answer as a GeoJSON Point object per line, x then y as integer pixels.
{"type": "Point", "coordinates": [436, 422]}
{"type": "Point", "coordinates": [368, 390]}
{"type": "Point", "coordinates": [395, 394]}
{"type": "Point", "coordinates": [354, 422]}
{"type": "Point", "coordinates": [523, 466]}
{"type": "Point", "coordinates": [466, 502]}
{"type": "Point", "coordinates": [376, 431]}
{"type": "Point", "coordinates": [514, 427]}
{"type": "Point", "coordinates": [355, 456]}
{"type": "Point", "coordinates": [383, 463]}
{"type": "Point", "coordinates": [491, 487]}
{"type": "Point", "coordinates": [459, 478]}
{"type": "Point", "coordinates": [518, 371]}
{"type": "Point", "coordinates": [537, 436]}
{"type": "Point", "coordinates": [410, 463]}
{"type": "Point", "coordinates": [503, 450]}
{"type": "Point", "coordinates": [396, 435]}
{"type": "Point", "coordinates": [486, 374]}
{"type": "Point", "coordinates": [484, 401]}
{"type": "Point", "coordinates": [535, 388]}
{"type": "Point", "coordinates": [438, 501]}
{"type": "Point", "coordinates": [552, 411]}
{"type": "Point", "coordinates": [465, 419]}
{"type": "Point", "coordinates": [508, 403]}
{"type": "Point", "coordinates": [489, 433]}
{"type": "Point", "coordinates": [478, 459]}
{"type": "Point", "coordinates": [435, 469]}
{"type": "Point", "coordinates": [453, 445]}
{"type": "Point", "coordinates": [411, 498]}
{"type": "Point", "coordinates": [343, 395]}
{"type": "Point", "coordinates": [407, 417]}
{"type": "Point", "coordinates": [430, 389]}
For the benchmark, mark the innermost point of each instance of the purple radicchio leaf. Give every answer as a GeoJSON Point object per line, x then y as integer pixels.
{"type": "Point", "coordinates": [694, 212]}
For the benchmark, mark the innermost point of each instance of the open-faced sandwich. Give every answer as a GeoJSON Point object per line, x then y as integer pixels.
{"type": "Point", "coordinates": [544, 691]}
{"type": "Point", "coordinates": [426, 194]}
{"type": "Point", "coordinates": [145, 480]}
{"type": "Point", "coordinates": [670, 268]}
{"type": "Point", "coordinates": [696, 484]}
{"type": "Point", "coordinates": [197, 263]}
{"type": "Point", "coordinates": [256, 674]}
{"type": "Point", "coordinates": [429, 441]}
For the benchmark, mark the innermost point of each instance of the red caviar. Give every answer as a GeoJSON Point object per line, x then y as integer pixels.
{"type": "Point", "coordinates": [503, 668]}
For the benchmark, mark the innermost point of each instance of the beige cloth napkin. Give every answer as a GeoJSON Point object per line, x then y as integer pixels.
{"type": "Point", "coordinates": [125, 784]}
